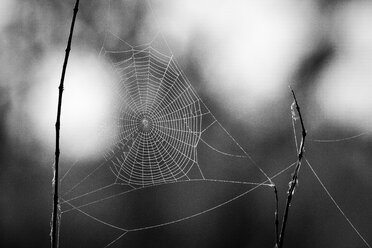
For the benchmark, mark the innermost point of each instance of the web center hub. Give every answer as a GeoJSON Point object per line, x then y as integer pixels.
{"type": "Point", "coordinates": [145, 124]}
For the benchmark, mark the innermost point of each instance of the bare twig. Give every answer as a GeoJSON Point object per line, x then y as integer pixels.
{"type": "Point", "coordinates": [294, 180]}
{"type": "Point", "coordinates": [276, 217]}
{"type": "Point", "coordinates": [56, 207]}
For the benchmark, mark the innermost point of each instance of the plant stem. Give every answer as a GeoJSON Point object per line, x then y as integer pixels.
{"type": "Point", "coordinates": [294, 180]}
{"type": "Point", "coordinates": [276, 217]}
{"type": "Point", "coordinates": [56, 206]}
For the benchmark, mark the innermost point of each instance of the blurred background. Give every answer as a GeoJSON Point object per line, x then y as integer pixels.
{"type": "Point", "coordinates": [240, 56]}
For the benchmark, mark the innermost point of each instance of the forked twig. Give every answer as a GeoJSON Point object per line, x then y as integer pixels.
{"type": "Point", "coordinates": [294, 180]}
{"type": "Point", "coordinates": [56, 207]}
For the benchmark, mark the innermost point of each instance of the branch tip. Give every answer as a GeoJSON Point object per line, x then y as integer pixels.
{"type": "Point", "coordinates": [294, 181]}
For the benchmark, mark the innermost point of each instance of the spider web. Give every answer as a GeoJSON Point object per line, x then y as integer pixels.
{"type": "Point", "coordinates": [167, 136]}
{"type": "Point", "coordinates": [163, 124]}
{"type": "Point", "coordinates": [163, 127]}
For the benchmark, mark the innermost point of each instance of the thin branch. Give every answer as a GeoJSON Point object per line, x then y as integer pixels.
{"type": "Point", "coordinates": [56, 207]}
{"type": "Point", "coordinates": [276, 217]}
{"type": "Point", "coordinates": [294, 180]}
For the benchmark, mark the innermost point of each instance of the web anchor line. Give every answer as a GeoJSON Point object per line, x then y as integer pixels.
{"type": "Point", "coordinates": [337, 205]}
{"type": "Point", "coordinates": [256, 185]}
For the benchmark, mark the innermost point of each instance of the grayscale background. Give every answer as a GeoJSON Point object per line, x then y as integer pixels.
{"type": "Point", "coordinates": [240, 56]}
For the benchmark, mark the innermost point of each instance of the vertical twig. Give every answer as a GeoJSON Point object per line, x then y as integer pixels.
{"type": "Point", "coordinates": [56, 207]}
{"type": "Point", "coordinates": [294, 180]}
{"type": "Point", "coordinates": [276, 217]}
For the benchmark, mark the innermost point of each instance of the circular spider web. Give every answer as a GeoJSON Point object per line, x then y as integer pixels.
{"type": "Point", "coordinates": [162, 126]}
{"type": "Point", "coordinates": [159, 118]}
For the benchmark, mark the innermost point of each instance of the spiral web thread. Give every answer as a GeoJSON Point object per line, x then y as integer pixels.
{"type": "Point", "coordinates": [163, 123]}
